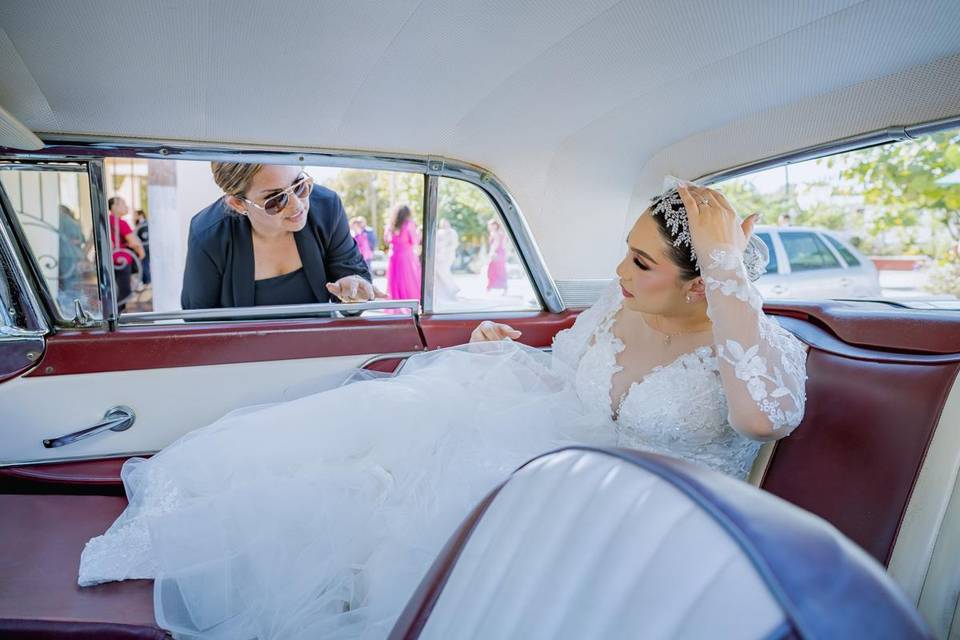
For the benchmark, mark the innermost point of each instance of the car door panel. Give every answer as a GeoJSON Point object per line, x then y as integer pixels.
{"type": "Point", "coordinates": [177, 380]}
{"type": "Point", "coordinates": [183, 345]}
{"type": "Point", "coordinates": [537, 328]}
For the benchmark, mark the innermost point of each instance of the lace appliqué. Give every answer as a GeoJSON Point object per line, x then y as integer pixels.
{"type": "Point", "coordinates": [773, 368]}
{"type": "Point", "coordinates": [739, 287]}
{"type": "Point", "coordinates": [124, 551]}
{"type": "Point", "coordinates": [677, 409]}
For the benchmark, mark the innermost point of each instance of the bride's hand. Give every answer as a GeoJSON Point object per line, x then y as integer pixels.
{"type": "Point", "coordinates": [488, 331]}
{"type": "Point", "coordinates": [713, 221]}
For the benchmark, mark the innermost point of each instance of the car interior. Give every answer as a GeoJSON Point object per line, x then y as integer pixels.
{"type": "Point", "coordinates": [567, 118]}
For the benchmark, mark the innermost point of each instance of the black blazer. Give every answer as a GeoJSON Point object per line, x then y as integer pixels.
{"type": "Point", "coordinates": [220, 270]}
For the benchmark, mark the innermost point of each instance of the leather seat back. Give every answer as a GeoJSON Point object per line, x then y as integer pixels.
{"type": "Point", "coordinates": [585, 543]}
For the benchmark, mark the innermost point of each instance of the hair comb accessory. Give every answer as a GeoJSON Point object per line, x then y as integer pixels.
{"type": "Point", "coordinates": [669, 204]}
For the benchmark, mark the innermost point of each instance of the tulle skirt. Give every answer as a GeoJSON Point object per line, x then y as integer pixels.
{"type": "Point", "coordinates": [317, 517]}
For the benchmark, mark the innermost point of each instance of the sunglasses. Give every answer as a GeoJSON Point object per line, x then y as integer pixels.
{"type": "Point", "coordinates": [279, 201]}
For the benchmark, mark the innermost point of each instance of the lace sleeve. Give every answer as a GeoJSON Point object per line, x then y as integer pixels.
{"type": "Point", "coordinates": [762, 365]}
{"type": "Point", "coordinates": [570, 344]}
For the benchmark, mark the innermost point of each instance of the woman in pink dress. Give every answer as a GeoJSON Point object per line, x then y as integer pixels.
{"type": "Point", "coordinates": [497, 268]}
{"type": "Point", "coordinates": [359, 232]}
{"type": "Point", "coordinates": [403, 269]}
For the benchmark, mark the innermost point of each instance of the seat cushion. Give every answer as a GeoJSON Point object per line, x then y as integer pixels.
{"type": "Point", "coordinates": [590, 543]}
{"type": "Point", "coordinates": [41, 537]}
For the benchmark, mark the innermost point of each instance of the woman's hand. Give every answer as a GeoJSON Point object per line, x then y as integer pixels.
{"type": "Point", "coordinates": [713, 222]}
{"type": "Point", "coordinates": [488, 331]}
{"type": "Point", "coordinates": [354, 289]}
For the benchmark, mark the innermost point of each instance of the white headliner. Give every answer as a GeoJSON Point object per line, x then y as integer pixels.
{"type": "Point", "coordinates": [579, 106]}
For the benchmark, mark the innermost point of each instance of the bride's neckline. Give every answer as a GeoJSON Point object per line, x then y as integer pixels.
{"type": "Point", "coordinates": [616, 406]}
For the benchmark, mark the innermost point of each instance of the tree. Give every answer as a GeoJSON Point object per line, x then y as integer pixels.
{"type": "Point", "coordinates": [467, 208]}
{"type": "Point", "coordinates": [772, 206]}
{"type": "Point", "coordinates": [374, 194]}
{"type": "Point", "coordinates": [900, 180]}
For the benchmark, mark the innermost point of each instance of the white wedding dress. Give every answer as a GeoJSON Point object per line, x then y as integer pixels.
{"type": "Point", "coordinates": [317, 517]}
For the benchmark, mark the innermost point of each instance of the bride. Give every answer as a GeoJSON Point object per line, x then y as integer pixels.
{"type": "Point", "coordinates": [297, 520]}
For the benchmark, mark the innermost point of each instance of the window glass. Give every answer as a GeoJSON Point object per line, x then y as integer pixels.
{"type": "Point", "coordinates": [52, 207]}
{"type": "Point", "coordinates": [477, 265]}
{"type": "Point", "coordinates": [806, 251]}
{"type": "Point", "coordinates": [772, 265]}
{"type": "Point", "coordinates": [156, 200]}
{"type": "Point", "coordinates": [892, 212]}
{"type": "Point", "coordinates": [848, 257]}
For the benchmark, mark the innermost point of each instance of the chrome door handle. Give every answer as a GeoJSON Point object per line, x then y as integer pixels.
{"type": "Point", "coordinates": [115, 419]}
{"type": "Point", "coordinates": [778, 289]}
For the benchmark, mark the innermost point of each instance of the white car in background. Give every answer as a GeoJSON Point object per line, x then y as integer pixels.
{"type": "Point", "coordinates": [807, 262]}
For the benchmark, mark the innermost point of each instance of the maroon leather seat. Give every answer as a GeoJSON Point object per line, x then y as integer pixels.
{"type": "Point", "coordinates": [877, 384]}
{"type": "Point", "coordinates": [41, 537]}
{"type": "Point", "coordinates": [871, 413]}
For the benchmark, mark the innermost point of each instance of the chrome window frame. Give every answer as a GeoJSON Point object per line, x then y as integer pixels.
{"type": "Point", "coordinates": [92, 150]}
{"type": "Point", "coordinates": [41, 300]}
{"type": "Point", "coordinates": [21, 311]}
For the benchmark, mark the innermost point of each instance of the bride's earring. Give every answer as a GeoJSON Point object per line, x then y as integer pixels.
{"type": "Point", "coordinates": [688, 298]}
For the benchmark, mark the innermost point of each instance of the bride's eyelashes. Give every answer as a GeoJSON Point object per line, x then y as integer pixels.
{"type": "Point", "coordinates": [640, 264]}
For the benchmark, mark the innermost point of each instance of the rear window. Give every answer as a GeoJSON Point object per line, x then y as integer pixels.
{"type": "Point", "coordinates": [772, 265]}
{"type": "Point", "coordinates": [848, 257]}
{"type": "Point", "coordinates": [806, 251]}
{"type": "Point", "coordinates": [896, 204]}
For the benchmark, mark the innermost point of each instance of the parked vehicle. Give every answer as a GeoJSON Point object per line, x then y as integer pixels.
{"type": "Point", "coordinates": [379, 263]}
{"type": "Point", "coordinates": [814, 263]}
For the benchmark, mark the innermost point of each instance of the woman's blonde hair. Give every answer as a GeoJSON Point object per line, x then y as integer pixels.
{"type": "Point", "coordinates": [234, 177]}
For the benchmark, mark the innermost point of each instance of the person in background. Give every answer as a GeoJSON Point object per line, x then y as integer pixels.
{"type": "Point", "coordinates": [497, 267]}
{"type": "Point", "coordinates": [448, 240]}
{"type": "Point", "coordinates": [358, 230]}
{"type": "Point", "coordinates": [73, 249]}
{"type": "Point", "coordinates": [142, 229]}
{"type": "Point", "coordinates": [370, 233]}
{"type": "Point", "coordinates": [125, 245]}
{"type": "Point", "coordinates": [274, 238]}
{"type": "Point", "coordinates": [403, 268]}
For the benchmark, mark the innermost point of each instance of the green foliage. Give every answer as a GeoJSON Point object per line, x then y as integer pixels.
{"type": "Point", "coordinates": [374, 194]}
{"type": "Point", "coordinates": [945, 278]}
{"type": "Point", "coordinates": [900, 180]}
{"type": "Point", "coordinates": [746, 199]}
{"type": "Point", "coordinates": [773, 206]}
{"type": "Point", "coordinates": [887, 197]}
{"type": "Point", "coordinates": [467, 208]}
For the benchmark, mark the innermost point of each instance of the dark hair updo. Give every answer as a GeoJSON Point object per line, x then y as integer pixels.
{"type": "Point", "coordinates": [681, 255]}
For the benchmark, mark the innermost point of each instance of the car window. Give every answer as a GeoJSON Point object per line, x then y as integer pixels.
{"type": "Point", "coordinates": [477, 266]}
{"type": "Point", "coordinates": [848, 257]}
{"type": "Point", "coordinates": [767, 240]}
{"type": "Point", "coordinates": [157, 200]}
{"type": "Point", "coordinates": [897, 204]}
{"type": "Point", "coordinates": [52, 207]}
{"type": "Point", "coordinates": [806, 251]}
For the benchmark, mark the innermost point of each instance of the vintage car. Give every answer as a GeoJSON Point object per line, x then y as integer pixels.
{"type": "Point", "coordinates": [809, 262]}
{"type": "Point", "coordinates": [557, 120]}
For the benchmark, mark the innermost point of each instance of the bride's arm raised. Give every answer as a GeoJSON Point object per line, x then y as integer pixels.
{"type": "Point", "coordinates": [762, 365]}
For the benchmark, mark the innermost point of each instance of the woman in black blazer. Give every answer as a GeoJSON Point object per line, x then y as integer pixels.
{"type": "Point", "coordinates": [274, 238]}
